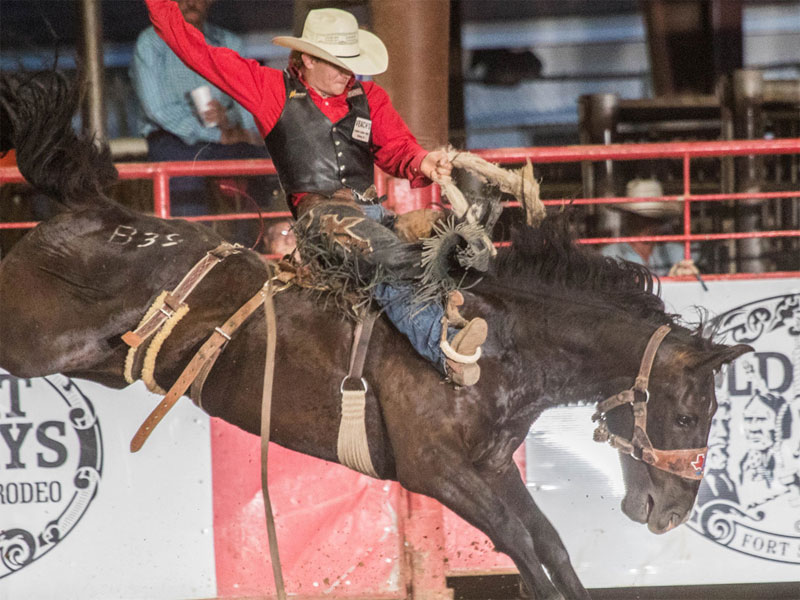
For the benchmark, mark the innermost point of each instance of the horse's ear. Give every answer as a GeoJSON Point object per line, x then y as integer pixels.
{"type": "Point", "coordinates": [721, 355]}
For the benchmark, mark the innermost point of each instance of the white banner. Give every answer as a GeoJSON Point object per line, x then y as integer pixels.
{"type": "Point", "coordinates": [746, 523]}
{"type": "Point", "coordinates": [80, 517]}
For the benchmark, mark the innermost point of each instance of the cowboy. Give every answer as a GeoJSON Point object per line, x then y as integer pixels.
{"type": "Point", "coordinates": [646, 219]}
{"type": "Point", "coordinates": [325, 130]}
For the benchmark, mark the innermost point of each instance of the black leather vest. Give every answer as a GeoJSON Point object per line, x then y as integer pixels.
{"type": "Point", "coordinates": [311, 154]}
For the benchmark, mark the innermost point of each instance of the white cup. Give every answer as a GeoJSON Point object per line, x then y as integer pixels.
{"type": "Point", "coordinates": [201, 96]}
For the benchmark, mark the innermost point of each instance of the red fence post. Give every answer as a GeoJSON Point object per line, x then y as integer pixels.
{"type": "Point", "coordinates": [423, 533]}
{"type": "Point", "coordinates": [161, 194]}
{"type": "Point", "coordinates": [687, 204]}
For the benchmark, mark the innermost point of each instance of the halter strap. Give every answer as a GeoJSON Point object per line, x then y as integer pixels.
{"type": "Point", "coordinates": [687, 463]}
{"type": "Point", "coordinates": [649, 356]}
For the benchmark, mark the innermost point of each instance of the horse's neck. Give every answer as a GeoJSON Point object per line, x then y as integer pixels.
{"type": "Point", "coordinates": [569, 353]}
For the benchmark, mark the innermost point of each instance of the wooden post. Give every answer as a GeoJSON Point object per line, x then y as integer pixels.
{"type": "Point", "coordinates": [692, 43]}
{"type": "Point", "coordinates": [417, 36]}
{"type": "Point", "coordinates": [423, 532]}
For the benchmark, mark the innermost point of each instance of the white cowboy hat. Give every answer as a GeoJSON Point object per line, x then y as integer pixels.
{"type": "Point", "coordinates": [649, 188]}
{"type": "Point", "coordinates": [333, 35]}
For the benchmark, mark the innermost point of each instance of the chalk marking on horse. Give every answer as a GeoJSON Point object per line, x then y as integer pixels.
{"type": "Point", "coordinates": [127, 236]}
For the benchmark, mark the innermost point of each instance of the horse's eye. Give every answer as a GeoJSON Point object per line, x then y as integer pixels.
{"type": "Point", "coordinates": [685, 420]}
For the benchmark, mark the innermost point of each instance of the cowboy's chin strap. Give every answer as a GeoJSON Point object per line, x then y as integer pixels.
{"type": "Point", "coordinates": [687, 463]}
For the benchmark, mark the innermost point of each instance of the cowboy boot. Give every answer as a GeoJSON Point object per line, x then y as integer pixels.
{"type": "Point", "coordinates": [454, 318]}
{"type": "Point", "coordinates": [466, 343]}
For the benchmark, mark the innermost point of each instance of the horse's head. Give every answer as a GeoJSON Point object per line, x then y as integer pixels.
{"type": "Point", "coordinates": [662, 462]}
{"type": "Point", "coordinates": [590, 306]}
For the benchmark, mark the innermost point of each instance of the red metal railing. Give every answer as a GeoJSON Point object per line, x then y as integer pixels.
{"type": "Point", "coordinates": [404, 199]}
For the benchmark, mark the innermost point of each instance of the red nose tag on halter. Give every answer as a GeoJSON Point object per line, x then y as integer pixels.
{"type": "Point", "coordinates": [699, 464]}
{"type": "Point", "coordinates": [689, 463]}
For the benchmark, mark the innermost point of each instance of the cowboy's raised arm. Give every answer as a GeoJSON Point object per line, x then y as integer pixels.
{"type": "Point", "coordinates": [258, 89]}
{"type": "Point", "coordinates": [395, 148]}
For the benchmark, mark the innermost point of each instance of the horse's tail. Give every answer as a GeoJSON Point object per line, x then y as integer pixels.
{"type": "Point", "coordinates": [36, 111]}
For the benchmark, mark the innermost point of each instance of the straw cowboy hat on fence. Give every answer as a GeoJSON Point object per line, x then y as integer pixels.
{"type": "Point", "coordinates": [333, 35]}
{"type": "Point", "coordinates": [649, 188]}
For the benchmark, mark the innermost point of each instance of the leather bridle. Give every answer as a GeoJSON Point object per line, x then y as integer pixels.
{"type": "Point", "coordinates": [687, 463]}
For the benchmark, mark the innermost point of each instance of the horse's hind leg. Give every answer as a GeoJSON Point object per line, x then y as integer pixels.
{"type": "Point", "coordinates": [457, 484]}
{"type": "Point", "coordinates": [546, 540]}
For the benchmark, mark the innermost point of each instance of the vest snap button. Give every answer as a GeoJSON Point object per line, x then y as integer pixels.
{"type": "Point", "coordinates": [344, 179]}
{"type": "Point", "coordinates": [339, 154]}
{"type": "Point", "coordinates": [333, 128]}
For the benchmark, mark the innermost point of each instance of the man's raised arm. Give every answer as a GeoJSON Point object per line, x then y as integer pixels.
{"type": "Point", "coordinates": [258, 89]}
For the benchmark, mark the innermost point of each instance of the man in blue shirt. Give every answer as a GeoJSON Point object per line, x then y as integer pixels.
{"type": "Point", "coordinates": [172, 125]}
{"type": "Point", "coordinates": [645, 219]}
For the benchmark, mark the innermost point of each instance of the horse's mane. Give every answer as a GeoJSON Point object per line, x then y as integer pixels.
{"type": "Point", "coordinates": [56, 160]}
{"type": "Point", "coordinates": [546, 259]}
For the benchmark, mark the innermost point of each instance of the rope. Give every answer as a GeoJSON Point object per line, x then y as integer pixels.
{"type": "Point", "coordinates": [519, 183]}
{"type": "Point", "coordinates": [149, 365]}
{"type": "Point", "coordinates": [352, 446]}
{"type": "Point", "coordinates": [130, 357]}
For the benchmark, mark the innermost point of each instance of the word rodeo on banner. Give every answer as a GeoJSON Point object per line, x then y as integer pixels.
{"type": "Point", "coordinates": [51, 459]}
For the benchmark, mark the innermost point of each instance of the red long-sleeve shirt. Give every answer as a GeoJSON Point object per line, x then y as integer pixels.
{"type": "Point", "coordinates": [261, 90]}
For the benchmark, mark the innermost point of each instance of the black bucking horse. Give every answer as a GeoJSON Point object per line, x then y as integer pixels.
{"type": "Point", "coordinates": [565, 325]}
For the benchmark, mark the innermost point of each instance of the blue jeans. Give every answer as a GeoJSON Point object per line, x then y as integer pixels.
{"type": "Point", "coordinates": [421, 324]}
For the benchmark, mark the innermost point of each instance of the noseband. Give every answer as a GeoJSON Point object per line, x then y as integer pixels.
{"type": "Point", "coordinates": [686, 463]}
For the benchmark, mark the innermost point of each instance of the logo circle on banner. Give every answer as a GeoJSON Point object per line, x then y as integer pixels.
{"type": "Point", "coordinates": [749, 499]}
{"type": "Point", "coordinates": [51, 458]}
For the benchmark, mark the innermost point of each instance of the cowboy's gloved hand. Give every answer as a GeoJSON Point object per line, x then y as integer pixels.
{"type": "Point", "coordinates": [437, 166]}
{"type": "Point", "coordinates": [683, 268]}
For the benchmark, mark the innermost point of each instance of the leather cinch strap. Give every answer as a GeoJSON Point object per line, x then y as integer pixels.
{"type": "Point", "coordinates": [176, 298]}
{"type": "Point", "coordinates": [266, 412]}
{"type": "Point", "coordinates": [352, 446]}
{"type": "Point", "coordinates": [201, 364]}
{"type": "Point", "coordinates": [207, 353]}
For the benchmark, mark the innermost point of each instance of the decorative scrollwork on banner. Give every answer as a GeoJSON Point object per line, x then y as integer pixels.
{"type": "Point", "coordinates": [17, 548]}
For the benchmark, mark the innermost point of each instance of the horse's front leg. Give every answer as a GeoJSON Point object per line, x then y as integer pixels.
{"type": "Point", "coordinates": [455, 482]}
{"type": "Point", "coordinates": [547, 542]}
